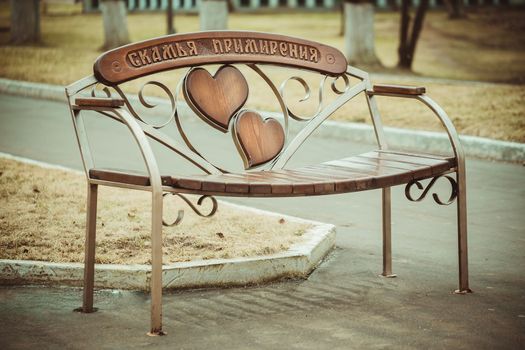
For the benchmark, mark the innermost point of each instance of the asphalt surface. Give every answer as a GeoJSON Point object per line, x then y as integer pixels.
{"type": "Point", "coordinates": [343, 304]}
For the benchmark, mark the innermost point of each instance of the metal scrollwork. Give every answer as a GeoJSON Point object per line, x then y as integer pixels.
{"type": "Point", "coordinates": [105, 90]}
{"type": "Point", "coordinates": [335, 89]}
{"type": "Point", "coordinates": [180, 213]}
{"type": "Point", "coordinates": [172, 98]}
{"type": "Point", "coordinates": [453, 194]}
{"type": "Point", "coordinates": [307, 93]}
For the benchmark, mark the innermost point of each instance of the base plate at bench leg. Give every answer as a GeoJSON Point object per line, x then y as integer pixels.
{"type": "Point", "coordinates": [89, 259]}
{"type": "Point", "coordinates": [387, 234]}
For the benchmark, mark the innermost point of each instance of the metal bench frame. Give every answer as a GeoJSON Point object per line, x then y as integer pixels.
{"type": "Point", "coordinates": [207, 48]}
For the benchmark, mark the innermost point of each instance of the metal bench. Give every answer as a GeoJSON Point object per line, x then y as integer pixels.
{"type": "Point", "coordinates": [263, 142]}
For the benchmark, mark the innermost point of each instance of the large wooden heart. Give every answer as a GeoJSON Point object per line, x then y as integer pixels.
{"type": "Point", "coordinates": [216, 98]}
{"type": "Point", "coordinates": [258, 140]}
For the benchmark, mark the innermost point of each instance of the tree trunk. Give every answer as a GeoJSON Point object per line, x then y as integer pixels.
{"type": "Point", "coordinates": [25, 21]}
{"type": "Point", "coordinates": [115, 23]}
{"type": "Point", "coordinates": [403, 35]}
{"type": "Point", "coordinates": [455, 9]}
{"type": "Point", "coordinates": [169, 17]}
{"type": "Point", "coordinates": [342, 25]}
{"type": "Point", "coordinates": [359, 34]}
{"type": "Point", "coordinates": [392, 4]}
{"type": "Point", "coordinates": [407, 43]}
{"type": "Point", "coordinates": [213, 15]}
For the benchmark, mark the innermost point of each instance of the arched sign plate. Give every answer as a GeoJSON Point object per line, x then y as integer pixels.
{"type": "Point", "coordinates": [193, 49]}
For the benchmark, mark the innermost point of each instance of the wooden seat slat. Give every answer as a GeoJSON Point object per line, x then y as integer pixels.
{"type": "Point", "coordinates": [187, 183]}
{"type": "Point", "coordinates": [256, 184]}
{"type": "Point", "coordinates": [421, 170]}
{"type": "Point", "coordinates": [322, 184]}
{"type": "Point", "coordinates": [376, 171]}
{"type": "Point", "coordinates": [381, 175]}
{"type": "Point", "coordinates": [382, 165]}
{"type": "Point", "coordinates": [437, 165]}
{"type": "Point", "coordinates": [279, 186]}
{"type": "Point", "coordinates": [300, 184]}
{"type": "Point", "coordinates": [335, 180]}
{"type": "Point", "coordinates": [323, 172]}
{"type": "Point", "coordinates": [416, 155]}
{"type": "Point", "coordinates": [350, 182]}
{"type": "Point", "coordinates": [392, 163]}
{"type": "Point", "coordinates": [403, 158]}
{"type": "Point", "coordinates": [367, 178]}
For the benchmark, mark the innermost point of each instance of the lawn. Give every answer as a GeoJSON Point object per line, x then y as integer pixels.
{"type": "Point", "coordinates": [488, 49]}
{"type": "Point", "coordinates": [43, 218]}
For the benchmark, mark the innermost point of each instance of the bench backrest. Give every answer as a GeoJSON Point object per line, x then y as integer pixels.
{"type": "Point", "coordinates": [220, 98]}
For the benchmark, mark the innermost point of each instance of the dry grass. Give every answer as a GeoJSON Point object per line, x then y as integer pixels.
{"type": "Point", "coordinates": [488, 47]}
{"type": "Point", "coordinates": [42, 217]}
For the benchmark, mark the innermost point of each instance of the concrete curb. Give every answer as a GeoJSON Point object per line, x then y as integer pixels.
{"type": "Point", "coordinates": [298, 261]}
{"type": "Point", "coordinates": [406, 139]}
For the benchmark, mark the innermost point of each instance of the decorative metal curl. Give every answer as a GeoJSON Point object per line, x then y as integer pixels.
{"type": "Point", "coordinates": [453, 194]}
{"type": "Point", "coordinates": [180, 213]}
{"type": "Point", "coordinates": [306, 96]}
{"type": "Point", "coordinates": [335, 89]}
{"type": "Point", "coordinates": [307, 93]}
{"type": "Point", "coordinates": [142, 99]}
{"type": "Point", "coordinates": [105, 90]}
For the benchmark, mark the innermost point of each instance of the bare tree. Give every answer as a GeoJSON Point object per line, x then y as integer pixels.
{"type": "Point", "coordinates": [409, 32]}
{"type": "Point", "coordinates": [359, 33]}
{"type": "Point", "coordinates": [25, 21]}
{"type": "Point", "coordinates": [455, 9]}
{"type": "Point", "coordinates": [115, 23]}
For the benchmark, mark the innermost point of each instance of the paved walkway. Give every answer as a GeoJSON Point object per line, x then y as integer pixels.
{"type": "Point", "coordinates": [342, 305]}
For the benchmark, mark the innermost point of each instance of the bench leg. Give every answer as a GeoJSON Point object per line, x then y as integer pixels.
{"type": "Point", "coordinates": [89, 259]}
{"type": "Point", "coordinates": [387, 234]}
{"type": "Point", "coordinates": [462, 234]}
{"type": "Point", "coordinates": [156, 265]}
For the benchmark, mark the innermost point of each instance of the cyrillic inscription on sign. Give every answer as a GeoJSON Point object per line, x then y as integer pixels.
{"type": "Point", "coordinates": [221, 46]}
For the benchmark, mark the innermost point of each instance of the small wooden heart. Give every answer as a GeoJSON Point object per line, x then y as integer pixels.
{"type": "Point", "coordinates": [258, 140]}
{"type": "Point", "coordinates": [216, 98]}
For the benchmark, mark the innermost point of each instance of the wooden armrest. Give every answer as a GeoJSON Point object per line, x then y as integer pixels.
{"type": "Point", "coordinates": [398, 89]}
{"type": "Point", "coordinates": [131, 177]}
{"type": "Point", "coordinates": [99, 102]}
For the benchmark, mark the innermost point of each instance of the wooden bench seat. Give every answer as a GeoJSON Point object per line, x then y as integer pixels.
{"type": "Point", "coordinates": [218, 75]}
{"type": "Point", "coordinates": [367, 171]}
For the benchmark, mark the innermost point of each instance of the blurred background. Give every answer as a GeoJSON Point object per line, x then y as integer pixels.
{"type": "Point", "coordinates": [470, 54]}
